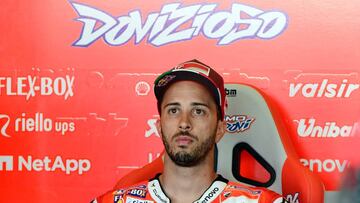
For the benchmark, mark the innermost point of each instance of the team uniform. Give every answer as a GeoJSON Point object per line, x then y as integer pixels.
{"type": "Point", "coordinates": [221, 190]}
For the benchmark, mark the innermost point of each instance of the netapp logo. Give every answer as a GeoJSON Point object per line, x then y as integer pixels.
{"type": "Point", "coordinates": [27, 163]}
{"type": "Point", "coordinates": [230, 92]}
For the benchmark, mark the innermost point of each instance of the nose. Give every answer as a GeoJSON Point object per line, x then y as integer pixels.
{"type": "Point", "coordinates": [185, 123]}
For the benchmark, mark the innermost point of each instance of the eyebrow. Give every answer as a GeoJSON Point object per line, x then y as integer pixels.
{"type": "Point", "coordinates": [172, 104]}
{"type": "Point", "coordinates": [200, 104]}
{"type": "Point", "coordinates": [192, 104]}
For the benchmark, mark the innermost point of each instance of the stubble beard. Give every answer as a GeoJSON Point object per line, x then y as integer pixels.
{"type": "Point", "coordinates": [194, 157]}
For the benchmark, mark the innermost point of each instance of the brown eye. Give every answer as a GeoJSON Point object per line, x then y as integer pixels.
{"type": "Point", "coordinates": [199, 112]}
{"type": "Point", "coordinates": [173, 110]}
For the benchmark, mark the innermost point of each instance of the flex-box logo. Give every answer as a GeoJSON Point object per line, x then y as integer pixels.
{"type": "Point", "coordinates": [31, 86]}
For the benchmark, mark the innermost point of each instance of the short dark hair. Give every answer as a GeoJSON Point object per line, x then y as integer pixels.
{"type": "Point", "coordinates": [196, 71]}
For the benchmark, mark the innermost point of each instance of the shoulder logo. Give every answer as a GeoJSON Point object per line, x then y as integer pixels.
{"type": "Point", "coordinates": [156, 193]}
{"type": "Point", "coordinates": [135, 200]}
{"type": "Point", "coordinates": [137, 192]}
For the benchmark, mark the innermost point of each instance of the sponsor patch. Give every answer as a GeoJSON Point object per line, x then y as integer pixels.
{"type": "Point", "coordinates": [119, 192]}
{"type": "Point", "coordinates": [293, 198]}
{"type": "Point", "coordinates": [241, 199]}
{"type": "Point", "coordinates": [118, 199]}
{"type": "Point", "coordinates": [237, 187]}
{"type": "Point", "coordinates": [137, 192]}
{"type": "Point", "coordinates": [134, 200]}
{"type": "Point", "coordinates": [165, 80]}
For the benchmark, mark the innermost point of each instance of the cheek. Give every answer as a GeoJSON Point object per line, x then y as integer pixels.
{"type": "Point", "coordinates": [205, 127]}
{"type": "Point", "coordinates": [168, 127]}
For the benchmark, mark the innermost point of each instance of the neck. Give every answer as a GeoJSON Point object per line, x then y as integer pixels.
{"type": "Point", "coordinates": [190, 182]}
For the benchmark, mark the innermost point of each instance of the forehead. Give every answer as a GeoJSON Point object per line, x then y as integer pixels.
{"type": "Point", "coordinates": [188, 91]}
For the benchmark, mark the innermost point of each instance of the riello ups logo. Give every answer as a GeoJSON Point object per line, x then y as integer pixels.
{"type": "Point", "coordinates": [175, 22]}
{"type": "Point", "coordinates": [35, 123]}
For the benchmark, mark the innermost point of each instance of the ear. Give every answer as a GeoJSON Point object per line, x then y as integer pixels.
{"type": "Point", "coordinates": [220, 131]}
{"type": "Point", "coordinates": [158, 127]}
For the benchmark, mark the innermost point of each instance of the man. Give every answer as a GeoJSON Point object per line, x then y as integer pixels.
{"type": "Point", "coordinates": [191, 104]}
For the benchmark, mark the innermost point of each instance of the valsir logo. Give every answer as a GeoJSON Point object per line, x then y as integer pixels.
{"type": "Point", "coordinates": [323, 89]}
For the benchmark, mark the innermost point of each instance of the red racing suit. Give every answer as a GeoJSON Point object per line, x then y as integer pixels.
{"type": "Point", "coordinates": [221, 190]}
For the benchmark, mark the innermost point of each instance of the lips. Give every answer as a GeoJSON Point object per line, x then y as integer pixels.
{"type": "Point", "coordinates": [183, 140]}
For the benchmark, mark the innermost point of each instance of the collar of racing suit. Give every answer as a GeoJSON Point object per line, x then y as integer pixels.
{"type": "Point", "coordinates": [217, 186]}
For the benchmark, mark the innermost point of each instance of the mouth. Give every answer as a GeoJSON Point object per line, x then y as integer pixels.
{"type": "Point", "coordinates": [183, 140]}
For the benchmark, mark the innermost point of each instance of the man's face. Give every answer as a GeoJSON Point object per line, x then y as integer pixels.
{"type": "Point", "coordinates": [189, 126]}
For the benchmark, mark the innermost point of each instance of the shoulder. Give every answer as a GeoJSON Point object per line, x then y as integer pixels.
{"type": "Point", "coordinates": [234, 191]}
{"type": "Point", "coordinates": [117, 196]}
